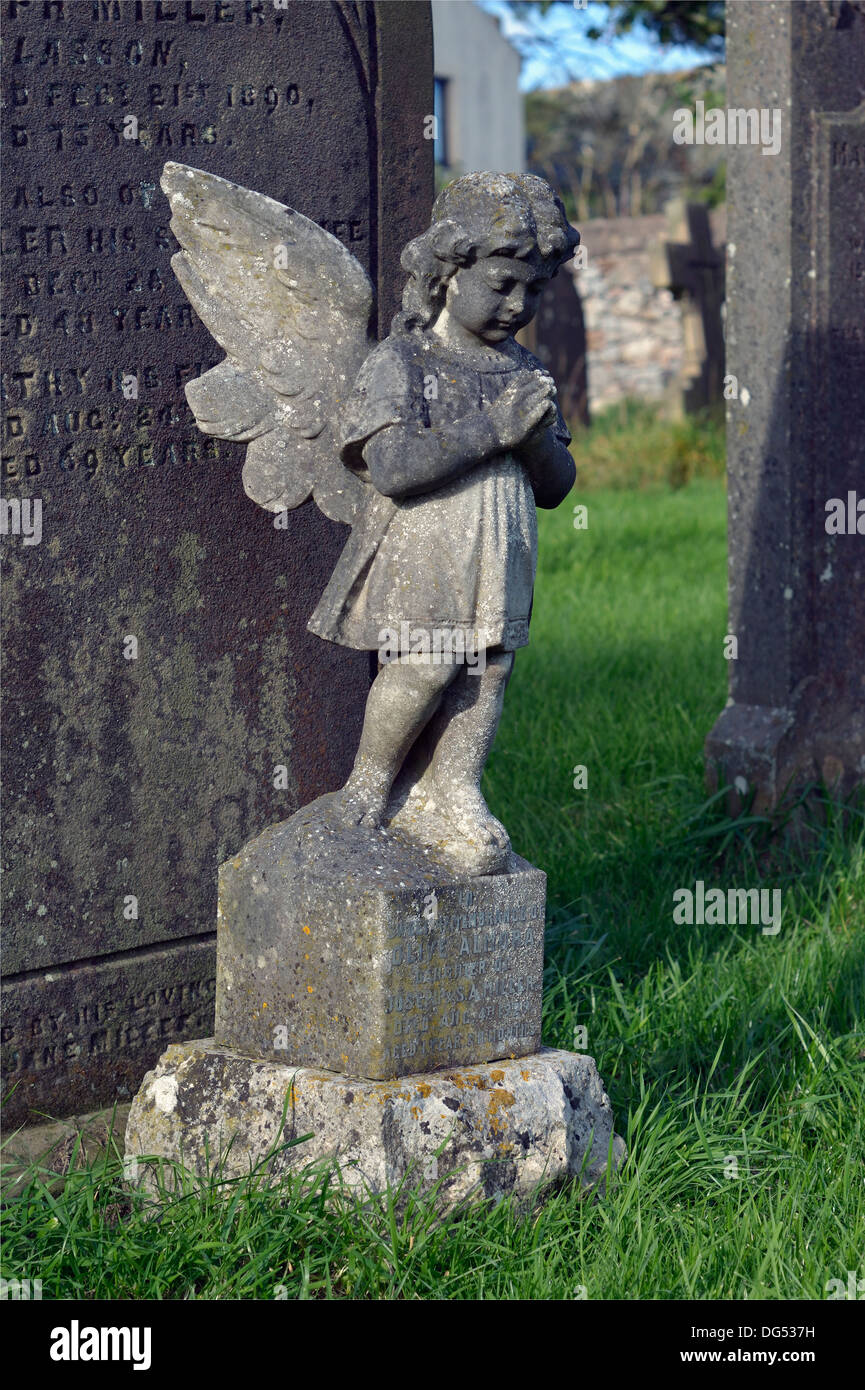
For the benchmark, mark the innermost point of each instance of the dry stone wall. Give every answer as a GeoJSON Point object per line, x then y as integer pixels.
{"type": "Point", "coordinates": [635, 343]}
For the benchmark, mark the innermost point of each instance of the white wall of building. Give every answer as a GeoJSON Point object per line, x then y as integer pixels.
{"type": "Point", "coordinates": [484, 105]}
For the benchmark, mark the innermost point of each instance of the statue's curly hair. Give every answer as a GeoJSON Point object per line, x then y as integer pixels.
{"type": "Point", "coordinates": [473, 217]}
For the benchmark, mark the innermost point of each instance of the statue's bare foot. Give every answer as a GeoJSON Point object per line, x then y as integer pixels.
{"type": "Point", "coordinates": [464, 807]}
{"type": "Point", "coordinates": [359, 803]}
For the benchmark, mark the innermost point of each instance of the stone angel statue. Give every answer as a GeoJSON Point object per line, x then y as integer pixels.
{"type": "Point", "coordinates": [435, 445]}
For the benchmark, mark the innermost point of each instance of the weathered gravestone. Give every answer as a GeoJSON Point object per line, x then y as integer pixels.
{"type": "Point", "coordinates": [686, 263]}
{"type": "Point", "coordinates": [380, 952]}
{"type": "Point", "coordinates": [163, 699]}
{"type": "Point", "coordinates": [558, 337]}
{"type": "Point", "coordinates": [796, 431]}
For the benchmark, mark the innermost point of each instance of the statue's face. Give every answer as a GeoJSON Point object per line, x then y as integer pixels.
{"type": "Point", "coordinates": [496, 296]}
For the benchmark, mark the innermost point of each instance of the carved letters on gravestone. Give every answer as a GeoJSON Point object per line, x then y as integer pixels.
{"type": "Point", "coordinates": [163, 699]}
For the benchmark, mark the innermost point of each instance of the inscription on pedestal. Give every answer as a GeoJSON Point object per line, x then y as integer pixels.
{"type": "Point", "coordinates": [454, 979]}
{"type": "Point", "coordinates": [452, 982]}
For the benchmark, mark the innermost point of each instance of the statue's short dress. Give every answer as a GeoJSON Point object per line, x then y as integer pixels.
{"type": "Point", "coordinates": [459, 557]}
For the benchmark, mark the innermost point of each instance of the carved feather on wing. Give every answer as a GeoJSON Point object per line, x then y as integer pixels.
{"type": "Point", "coordinates": [291, 307]}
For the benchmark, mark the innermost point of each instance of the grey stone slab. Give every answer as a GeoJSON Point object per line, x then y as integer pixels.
{"type": "Point", "coordinates": [357, 950]}
{"type": "Point", "coordinates": [490, 1131]}
{"type": "Point", "coordinates": [133, 778]}
{"type": "Point", "coordinates": [61, 1145]}
{"type": "Point", "coordinates": [796, 431]}
{"type": "Point", "coordinates": [80, 1035]}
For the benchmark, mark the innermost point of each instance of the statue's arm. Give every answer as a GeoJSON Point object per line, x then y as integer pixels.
{"type": "Point", "coordinates": [550, 467]}
{"type": "Point", "coordinates": [404, 460]}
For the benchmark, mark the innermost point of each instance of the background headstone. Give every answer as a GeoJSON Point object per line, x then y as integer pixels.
{"type": "Point", "coordinates": [686, 263]}
{"type": "Point", "coordinates": [796, 431]}
{"type": "Point", "coordinates": [134, 767]}
{"type": "Point", "coordinates": [557, 335]}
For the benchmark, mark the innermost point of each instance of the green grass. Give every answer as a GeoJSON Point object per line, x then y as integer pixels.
{"type": "Point", "coordinates": [631, 445]}
{"type": "Point", "coordinates": [733, 1059]}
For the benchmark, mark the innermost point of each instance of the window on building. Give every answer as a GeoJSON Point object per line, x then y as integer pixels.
{"type": "Point", "coordinates": [440, 111]}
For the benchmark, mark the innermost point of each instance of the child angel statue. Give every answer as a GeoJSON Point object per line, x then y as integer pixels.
{"type": "Point", "coordinates": [437, 445]}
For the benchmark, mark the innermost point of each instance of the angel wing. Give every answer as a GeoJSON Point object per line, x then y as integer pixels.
{"type": "Point", "coordinates": [291, 307]}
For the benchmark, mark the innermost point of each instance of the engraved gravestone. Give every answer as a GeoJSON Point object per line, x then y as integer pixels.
{"type": "Point", "coordinates": [163, 699]}
{"type": "Point", "coordinates": [796, 428]}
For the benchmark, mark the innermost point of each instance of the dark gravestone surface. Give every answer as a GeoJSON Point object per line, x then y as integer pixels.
{"type": "Point", "coordinates": [796, 433]}
{"type": "Point", "coordinates": [557, 335]}
{"type": "Point", "coordinates": [131, 776]}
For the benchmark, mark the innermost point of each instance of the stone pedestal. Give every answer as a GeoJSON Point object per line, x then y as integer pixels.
{"type": "Point", "coordinates": [372, 997]}
{"type": "Point", "coordinates": [357, 951]}
{"type": "Point", "coordinates": [796, 426]}
{"type": "Point", "coordinates": [492, 1130]}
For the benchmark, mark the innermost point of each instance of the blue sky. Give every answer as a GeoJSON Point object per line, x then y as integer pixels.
{"type": "Point", "coordinates": [565, 27]}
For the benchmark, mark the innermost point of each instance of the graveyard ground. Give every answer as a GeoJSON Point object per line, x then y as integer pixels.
{"type": "Point", "coordinates": [734, 1059]}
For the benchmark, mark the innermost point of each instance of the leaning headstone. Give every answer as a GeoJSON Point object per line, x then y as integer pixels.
{"type": "Point", "coordinates": [380, 952]}
{"type": "Point", "coordinates": [796, 428]}
{"type": "Point", "coordinates": [687, 264]}
{"type": "Point", "coordinates": [557, 335]}
{"type": "Point", "coordinates": [162, 697]}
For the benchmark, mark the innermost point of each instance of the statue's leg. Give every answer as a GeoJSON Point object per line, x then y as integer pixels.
{"type": "Point", "coordinates": [466, 726]}
{"type": "Point", "coordinates": [400, 704]}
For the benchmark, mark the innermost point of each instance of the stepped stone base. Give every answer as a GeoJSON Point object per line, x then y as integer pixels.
{"type": "Point", "coordinates": [493, 1130]}
{"type": "Point", "coordinates": [779, 751]}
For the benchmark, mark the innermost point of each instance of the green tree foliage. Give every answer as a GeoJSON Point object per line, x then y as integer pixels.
{"type": "Point", "coordinates": [607, 146]}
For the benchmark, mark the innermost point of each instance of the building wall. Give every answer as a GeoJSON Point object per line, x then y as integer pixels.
{"type": "Point", "coordinates": [485, 122]}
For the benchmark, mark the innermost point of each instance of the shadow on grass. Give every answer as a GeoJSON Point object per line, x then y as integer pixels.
{"type": "Point", "coordinates": [670, 1001]}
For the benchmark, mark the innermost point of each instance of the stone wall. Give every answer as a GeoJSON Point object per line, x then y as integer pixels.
{"type": "Point", "coordinates": [633, 330]}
